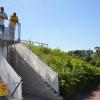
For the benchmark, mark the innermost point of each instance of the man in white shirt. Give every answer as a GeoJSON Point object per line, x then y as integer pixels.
{"type": "Point", "coordinates": [3, 16]}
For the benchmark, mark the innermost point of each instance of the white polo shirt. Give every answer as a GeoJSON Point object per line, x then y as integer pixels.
{"type": "Point", "coordinates": [1, 19]}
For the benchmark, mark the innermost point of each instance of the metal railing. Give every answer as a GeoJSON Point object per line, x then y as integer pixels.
{"type": "Point", "coordinates": [7, 33]}
{"type": "Point", "coordinates": [34, 43]}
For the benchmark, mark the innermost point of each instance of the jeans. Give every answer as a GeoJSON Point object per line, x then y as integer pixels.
{"type": "Point", "coordinates": [12, 32]}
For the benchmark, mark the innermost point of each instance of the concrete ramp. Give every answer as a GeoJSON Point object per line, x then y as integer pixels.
{"type": "Point", "coordinates": [39, 66]}
{"type": "Point", "coordinates": [36, 79]}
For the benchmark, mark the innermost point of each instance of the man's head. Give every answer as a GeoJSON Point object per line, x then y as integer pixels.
{"type": "Point", "coordinates": [14, 14]}
{"type": "Point", "coordinates": [2, 9]}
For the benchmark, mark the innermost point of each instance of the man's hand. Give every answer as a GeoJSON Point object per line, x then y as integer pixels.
{"type": "Point", "coordinates": [3, 17]}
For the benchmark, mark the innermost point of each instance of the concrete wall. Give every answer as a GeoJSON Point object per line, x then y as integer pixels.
{"type": "Point", "coordinates": [8, 75]}
{"type": "Point", "coordinates": [3, 52]}
{"type": "Point", "coordinates": [39, 66]}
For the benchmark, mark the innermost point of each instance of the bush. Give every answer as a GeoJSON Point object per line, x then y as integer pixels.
{"type": "Point", "coordinates": [73, 72]}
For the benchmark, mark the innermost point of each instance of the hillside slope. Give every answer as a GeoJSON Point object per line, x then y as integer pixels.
{"type": "Point", "coordinates": [73, 72]}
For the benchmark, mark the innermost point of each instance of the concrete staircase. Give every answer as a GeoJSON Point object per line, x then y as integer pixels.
{"type": "Point", "coordinates": [34, 87]}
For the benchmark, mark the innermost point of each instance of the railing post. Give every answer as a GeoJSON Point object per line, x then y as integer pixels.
{"type": "Point", "coordinates": [19, 31]}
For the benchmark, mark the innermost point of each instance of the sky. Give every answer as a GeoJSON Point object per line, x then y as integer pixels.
{"type": "Point", "coordinates": [64, 24]}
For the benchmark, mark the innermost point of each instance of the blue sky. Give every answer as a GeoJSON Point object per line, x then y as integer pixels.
{"type": "Point", "coordinates": [67, 24]}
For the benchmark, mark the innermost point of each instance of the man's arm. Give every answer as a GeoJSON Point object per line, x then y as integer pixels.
{"type": "Point", "coordinates": [17, 20]}
{"type": "Point", "coordinates": [5, 16]}
{"type": "Point", "coordinates": [0, 15]}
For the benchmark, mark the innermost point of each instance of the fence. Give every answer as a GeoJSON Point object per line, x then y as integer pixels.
{"type": "Point", "coordinates": [34, 43]}
{"type": "Point", "coordinates": [7, 33]}
{"type": "Point", "coordinates": [8, 75]}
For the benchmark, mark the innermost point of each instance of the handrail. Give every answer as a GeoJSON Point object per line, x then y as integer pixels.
{"type": "Point", "coordinates": [7, 34]}
{"type": "Point", "coordinates": [39, 43]}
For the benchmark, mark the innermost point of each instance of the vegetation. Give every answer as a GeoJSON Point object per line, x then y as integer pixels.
{"type": "Point", "coordinates": [74, 73]}
{"type": "Point", "coordinates": [88, 55]}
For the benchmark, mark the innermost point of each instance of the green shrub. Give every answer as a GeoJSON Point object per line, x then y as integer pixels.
{"type": "Point", "coordinates": [73, 72]}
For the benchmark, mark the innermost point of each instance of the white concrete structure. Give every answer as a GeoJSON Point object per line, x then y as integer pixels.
{"type": "Point", "coordinates": [39, 66]}
{"type": "Point", "coordinates": [8, 75]}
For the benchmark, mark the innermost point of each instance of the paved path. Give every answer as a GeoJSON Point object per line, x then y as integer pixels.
{"type": "Point", "coordinates": [30, 97]}
{"type": "Point", "coordinates": [96, 95]}
{"type": "Point", "coordinates": [93, 94]}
